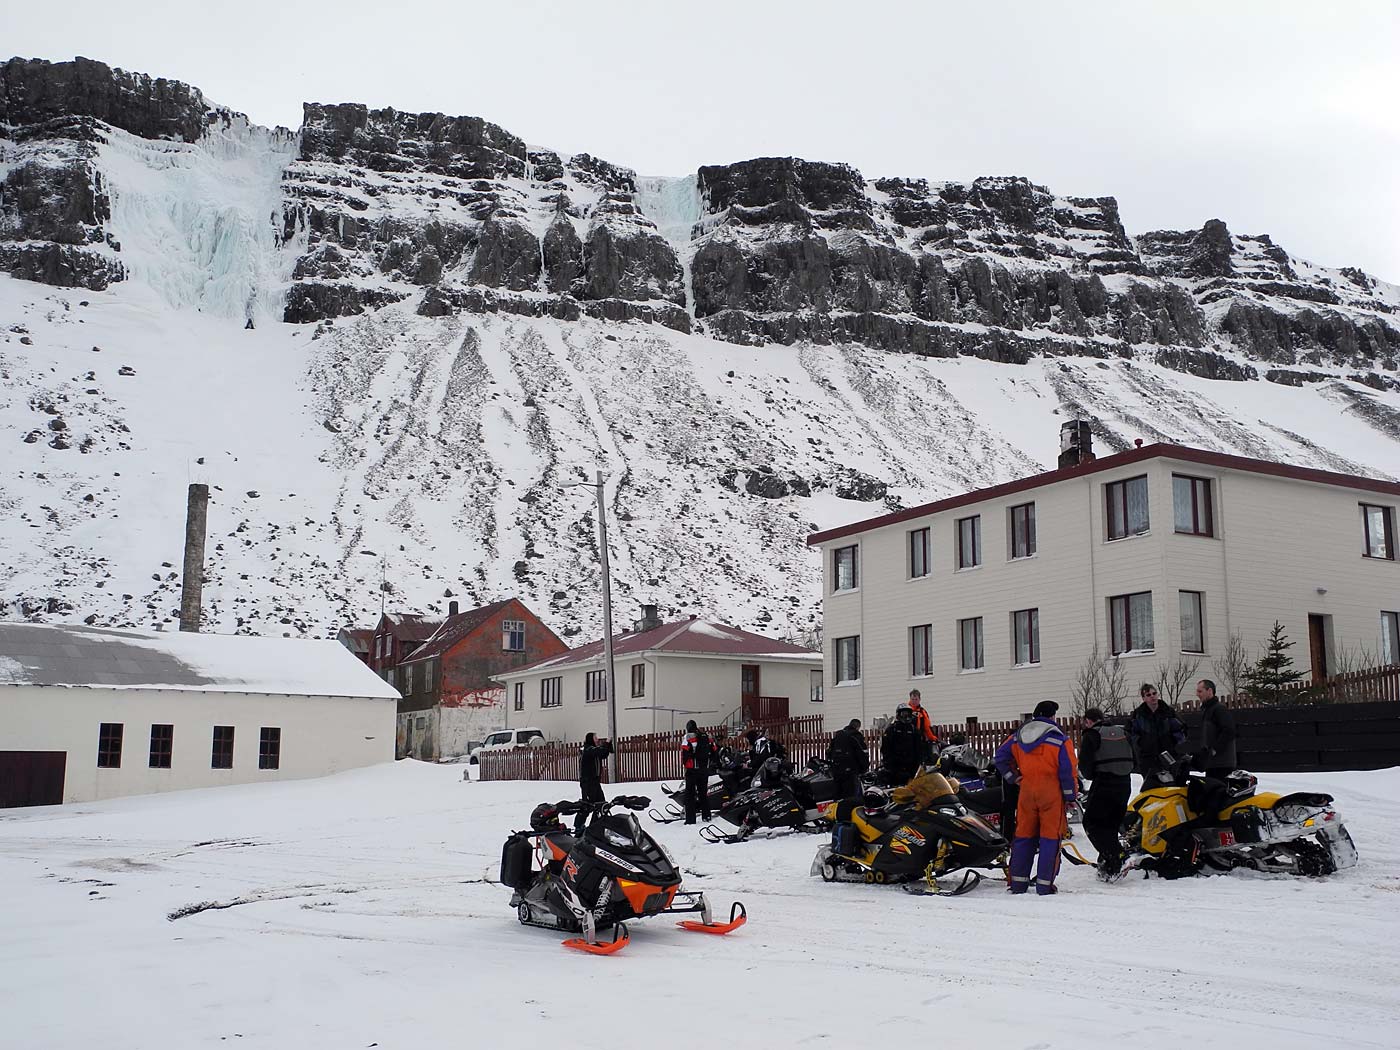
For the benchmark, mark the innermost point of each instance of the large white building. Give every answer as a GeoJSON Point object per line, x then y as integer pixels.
{"type": "Point", "coordinates": [992, 600]}
{"type": "Point", "coordinates": [88, 714]}
{"type": "Point", "coordinates": [666, 675]}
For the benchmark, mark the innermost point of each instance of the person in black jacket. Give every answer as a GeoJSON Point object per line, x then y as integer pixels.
{"type": "Point", "coordinates": [1106, 759]}
{"type": "Point", "coordinates": [901, 748]}
{"type": "Point", "coordinates": [1154, 728]}
{"type": "Point", "coordinates": [1217, 754]}
{"type": "Point", "coordinates": [590, 776]}
{"type": "Point", "coordinates": [849, 758]}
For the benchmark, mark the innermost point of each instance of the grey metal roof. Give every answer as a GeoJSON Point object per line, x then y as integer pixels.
{"type": "Point", "coordinates": [91, 657]}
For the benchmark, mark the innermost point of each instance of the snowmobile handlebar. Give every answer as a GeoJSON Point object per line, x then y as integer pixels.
{"type": "Point", "coordinates": [570, 807]}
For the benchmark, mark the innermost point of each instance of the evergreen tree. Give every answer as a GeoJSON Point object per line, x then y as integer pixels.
{"type": "Point", "coordinates": [1273, 679]}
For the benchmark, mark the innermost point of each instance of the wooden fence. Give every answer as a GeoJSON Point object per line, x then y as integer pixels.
{"type": "Point", "coordinates": [1356, 726]}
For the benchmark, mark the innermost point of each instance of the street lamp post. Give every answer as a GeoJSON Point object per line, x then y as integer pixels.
{"type": "Point", "coordinates": [608, 676]}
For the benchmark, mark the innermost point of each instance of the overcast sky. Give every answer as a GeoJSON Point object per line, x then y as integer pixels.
{"type": "Point", "coordinates": [1279, 117]}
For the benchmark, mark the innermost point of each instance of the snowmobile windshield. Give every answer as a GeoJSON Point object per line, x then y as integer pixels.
{"type": "Point", "coordinates": [622, 831]}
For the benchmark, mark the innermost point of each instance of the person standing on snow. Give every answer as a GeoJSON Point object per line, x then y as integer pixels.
{"type": "Point", "coordinates": [849, 758]}
{"type": "Point", "coordinates": [901, 748]}
{"type": "Point", "coordinates": [590, 777]}
{"type": "Point", "coordinates": [1039, 758]}
{"type": "Point", "coordinates": [1154, 728]}
{"type": "Point", "coordinates": [695, 759]}
{"type": "Point", "coordinates": [924, 724]}
{"type": "Point", "coordinates": [1217, 754]}
{"type": "Point", "coordinates": [1106, 758]}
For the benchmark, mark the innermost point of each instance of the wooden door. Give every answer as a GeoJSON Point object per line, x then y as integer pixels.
{"type": "Point", "coordinates": [1317, 645]}
{"type": "Point", "coordinates": [748, 681]}
{"type": "Point", "coordinates": [32, 778]}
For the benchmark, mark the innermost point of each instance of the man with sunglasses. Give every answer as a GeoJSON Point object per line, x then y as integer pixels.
{"type": "Point", "coordinates": [1154, 728]}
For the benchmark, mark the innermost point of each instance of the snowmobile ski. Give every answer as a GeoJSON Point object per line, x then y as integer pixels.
{"type": "Point", "coordinates": [933, 888]}
{"type": "Point", "coordinates": [714, 833]}
{"type": "Point", "coordinates": [620, 940]}
{"type": "Point", "coordinates": [738, 915]}
{"type": "Point", "coordinates": [662, 818]}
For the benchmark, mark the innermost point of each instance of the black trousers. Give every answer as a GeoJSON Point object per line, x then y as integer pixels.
{"type": "Point", "coordinates": [846, 783]}
{"type": "Point", "coordinates": [1103, 813]}
{"type": "Point", "coordinates": [1010, 801]}
{"type": "Point", "coordinates": [697, 794]}
{"type": "Point", "coordinates": [592, 793]}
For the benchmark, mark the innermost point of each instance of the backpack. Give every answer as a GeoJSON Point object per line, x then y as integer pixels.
{"type": "Point", "coordinates": [704, 753]}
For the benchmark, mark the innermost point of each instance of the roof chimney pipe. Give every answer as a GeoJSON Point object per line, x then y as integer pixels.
{"type": "Point", "coordinates": [452, 608]}
{"type": "Point", "coordinates": [650, 621]}
{"type": "Point", "coordinates": [1076, 443]}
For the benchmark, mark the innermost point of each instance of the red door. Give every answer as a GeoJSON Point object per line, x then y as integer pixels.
{"type": "Point", "coordinates": [32, 778]}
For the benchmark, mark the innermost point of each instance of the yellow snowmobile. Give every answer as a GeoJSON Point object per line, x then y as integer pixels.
{"type": "Point", "coordinates": [1295, 834]}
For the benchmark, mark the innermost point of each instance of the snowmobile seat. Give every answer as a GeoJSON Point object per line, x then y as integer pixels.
{"type": "Point", "coordinates": [878, 821]}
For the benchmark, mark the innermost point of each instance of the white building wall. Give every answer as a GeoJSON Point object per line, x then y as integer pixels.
{"type": "Point", "coordinates": [320, 735]}
{"type": "Point", "coordinates": [1277, 542]}
{"type": "Point", "coordinates": [707, 686]}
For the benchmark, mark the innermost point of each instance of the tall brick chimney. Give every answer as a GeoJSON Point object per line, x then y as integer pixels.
{"type": "Point", "coordinates": [192, 582]}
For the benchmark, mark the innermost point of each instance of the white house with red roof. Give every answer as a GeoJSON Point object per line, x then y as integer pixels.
{"type": "Point", "coordinates": [1158, 555]}
{"type": "Point", "coordinates": [666, 674]}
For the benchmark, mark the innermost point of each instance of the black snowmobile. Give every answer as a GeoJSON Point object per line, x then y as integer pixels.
{"type": "Point", "coordinates": [910, 844]}
{"type": "Point", "coordinates": [730, 777]}
{"type": "Point", "coordinates": [613, 872]}
{"type": "Point", "coordinates": [778, 799]}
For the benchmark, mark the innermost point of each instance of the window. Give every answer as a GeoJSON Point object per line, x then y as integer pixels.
{"type": "Point", "coordinates": [1130, 622]}
{"type": "Point", "coordinates": [594, 687]}
{"type": "Point", "coordinates": [921, 650]}
{"type": "Point", "coordinates": [551, 692]}
{"type": "Point", "coordinates": [415, 676]}
{"type": "Point", "coordinates": [969, 541]}
{"type": "Point", "coordinates": [639, 679]}
{"type": "Point", "coordinates": [1023, 530]}
{"type": "Point", "coordinates": [1378, 525]}
{"type": "Point", "coordinates": [270, 747]}
{"type": "Point", "coordinates": [513, 636]}
{"type": "Point", "coordinates": [848, 659]}
{"type": "Point", "coordinates": [918, 553]}
{"type": "Point", "coordinates": [970, 657]}
{"type": "Point", "coordinates": [222, 756]}
{"type": "Point", "coordinates": [162, 746]}
{"type": "Point", "coordinates": [846, 568]}
{"type": "Point", "coordinates": [1194, 510]}
{"type": "Point", "coordinates": [1390, 637]}
{"type": "Point", "coordinates": [1025, 637]}
{"type": "Point", "coordinates": [109, 745]}
{"type": "Point", "coordinates": [519, 696]}
{"type": "Point", "coordinates": [815, 688]}
{"type": "Point", "coordinates": [429, 674]}
{"type": "Point", "coordinates": [1126, 503]}
{"type": "Point", "coordinates": [1193, 632]}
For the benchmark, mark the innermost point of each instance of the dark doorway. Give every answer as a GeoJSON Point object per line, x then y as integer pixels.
{"type": "Point", "coordinates": [748, 681]}
{"type": "Point", "coordinates": [32, 778]}
{"type": "Point", "coordinates": [1317, 645]}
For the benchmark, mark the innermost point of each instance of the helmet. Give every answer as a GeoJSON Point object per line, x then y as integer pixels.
{"type": "Point", "coordinates": [904, 713]}
{"type": "Point", "coordinates": [545, 817]}
{"type": "Point", "coordinates": [1241, 784]}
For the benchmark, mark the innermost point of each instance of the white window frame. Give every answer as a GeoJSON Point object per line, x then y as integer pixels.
{"type": "Point", "coordinates": [1031, 620]}
{"type": "Point", "coordinates": [1200, 602]}
{"type": "Point", "coordinates": [979, 650]}
{"type": "Point", "coordinates": [836, 554]}
{"type": "Point", "coordinates": [836, 660]}
{"type": "Point", "coordinates": [920, 540]}
{"type": "Point", "coordinates": [510, 628]}
{"type": "Point", "coordinates": [921, 650]}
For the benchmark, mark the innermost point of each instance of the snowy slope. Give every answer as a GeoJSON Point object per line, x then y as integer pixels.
{"type": "Point", "coordinates": [439, 444]}
{"type": "Point", "coordinates": [357, 911]}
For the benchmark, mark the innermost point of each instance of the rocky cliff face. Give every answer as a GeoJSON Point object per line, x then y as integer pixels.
{"type": "Point", "coordinates": [447, 325]}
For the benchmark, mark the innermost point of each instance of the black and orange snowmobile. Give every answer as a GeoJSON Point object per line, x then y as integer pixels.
{"type": "Point", "coordinates": [611, 873]}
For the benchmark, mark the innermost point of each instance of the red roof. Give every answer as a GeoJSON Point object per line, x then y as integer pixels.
{"type": "Point", "coordinates": [410, 627]}
{"type": "Point", "coordinates": [454, 629]}
{"type": "Point", "coordinates": [700, 637]}
{"type": "Point", "coordinates": [1160, 450]}
{"type": "Point", "coordinates": [361, 638]}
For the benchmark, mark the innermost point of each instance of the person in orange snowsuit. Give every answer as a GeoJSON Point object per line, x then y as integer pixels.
{"type": "Point", "coordinates": [924, 724]}
{"type": "Point", "coordinates": [1039, 758]}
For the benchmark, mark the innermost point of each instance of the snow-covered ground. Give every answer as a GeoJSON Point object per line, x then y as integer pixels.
{"type": "Point", "coordinates": [358, 911]}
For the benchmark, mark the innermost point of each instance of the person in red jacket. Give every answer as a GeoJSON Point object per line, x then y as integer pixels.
{"type": "Point", "coordinates": [924, 724]}
{"type": "Point", "coordinates": [1040, 760]}
{"type": "Point", "coordinates": [696, 752]}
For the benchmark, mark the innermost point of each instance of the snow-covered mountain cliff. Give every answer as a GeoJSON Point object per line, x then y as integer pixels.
{"type": "Point", "coordinates": [386, 340]}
